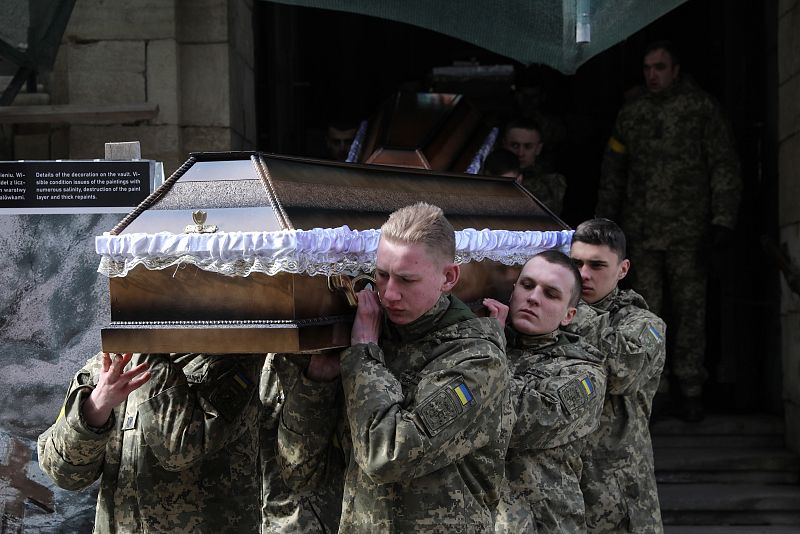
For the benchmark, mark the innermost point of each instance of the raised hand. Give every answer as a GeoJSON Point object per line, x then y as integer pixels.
{"type": "Point", "coordinates": [367, 325]}
{"type": "Point", "coordinates": [497, 310]}
{"type": "Point", "coordinates": [113, 387]}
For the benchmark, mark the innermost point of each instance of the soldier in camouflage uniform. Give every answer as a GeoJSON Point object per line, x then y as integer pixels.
{"type": "Point", "coordinates": [284, 511]}
{"type": "Point", "coordinates": [424, 413]}
{"type": "Point", "coordinates": [172, 438]}
{"type": "Point", "coordinates": [523, 137]}
{"type": "Point", "coordinates": [618, 482]}
{"type": "Point", "coordinates": [558, 387]}
{"type": "Point", "coordinates": [671, 177]}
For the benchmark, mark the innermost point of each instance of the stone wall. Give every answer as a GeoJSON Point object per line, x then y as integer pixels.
{"type": "Point", "coordinates": [193, 58]}
{"type": "Point", "coordinates": [789, 203]}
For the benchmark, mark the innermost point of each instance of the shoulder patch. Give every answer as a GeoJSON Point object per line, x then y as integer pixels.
{"type": "Point", "coordinates": [576, 392]}
{"type": "Point", "coordinates": [445, 405]}
{"type": "Point", "coordinates": [231, 392]}
{"type": "Point", "coordinates": [650, 337]}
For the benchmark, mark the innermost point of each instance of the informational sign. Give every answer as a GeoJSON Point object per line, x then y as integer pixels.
{"type": "Point", "coordinates": [74, 186]}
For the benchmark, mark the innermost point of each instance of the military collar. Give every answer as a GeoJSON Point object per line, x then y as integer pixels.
{"type": "Point", "coordinates": [607, 302]}
{"type": "Point", "coordinates": [417, 329]}
{"type": "Point", "coordinates": [519, 340]}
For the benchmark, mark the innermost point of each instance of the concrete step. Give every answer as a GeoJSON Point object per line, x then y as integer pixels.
{"type": "Point", "coordinates": [730, 529]}
{"type": "Point", "coordinates": [729, 504]}
{"type": "Point", "coordinates": [721, 424]}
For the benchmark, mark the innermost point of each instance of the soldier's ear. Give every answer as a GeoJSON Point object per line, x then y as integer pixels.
{"type": "Point", "coordinates": [624, 267]}
{"type": "Point", "coordinates": [569, 316]}
{"type": "Point", "coordinates": [451, 274]}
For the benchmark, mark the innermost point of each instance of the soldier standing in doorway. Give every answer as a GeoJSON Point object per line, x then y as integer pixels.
{"type": "Point", "coordinates": [671, 178]}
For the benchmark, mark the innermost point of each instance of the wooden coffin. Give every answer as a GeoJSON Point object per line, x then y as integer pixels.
{"type": "Point", "coordinates": [437, 131]}
{"type": "Point", "coordinates": [186, 308]}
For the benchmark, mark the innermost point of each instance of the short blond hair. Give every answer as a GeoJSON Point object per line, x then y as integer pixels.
{"type": "Point", "coordinates": [424, 224]}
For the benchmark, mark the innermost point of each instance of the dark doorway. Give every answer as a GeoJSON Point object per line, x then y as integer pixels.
{"type": "Point", "coordinates": [316, 66]}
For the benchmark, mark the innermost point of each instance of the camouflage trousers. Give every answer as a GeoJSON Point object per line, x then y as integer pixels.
{"type": "Point", "coordinates": [681, 274]}
{"type": "Point", "coordinates": [620, 496]}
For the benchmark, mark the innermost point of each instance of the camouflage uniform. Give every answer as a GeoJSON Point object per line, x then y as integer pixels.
{"type": "Point", "coordinates": [558, 387]}
{"type": "Point", "coordinates": [424, 424]}
{"type": "Point", "coordinates": [618, 482]}
{"type": "Point", "coordinates": [669, 173]}
{"type": "Point", "coordinates": [283, 510]}
{"type": "Point", "coordinates": [549, 187]}
{"type": "Point", "coordinates": [179, 455]}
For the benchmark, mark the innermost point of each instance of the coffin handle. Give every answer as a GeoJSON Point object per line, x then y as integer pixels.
{"type": "Point", "coordinates": [348, 285]}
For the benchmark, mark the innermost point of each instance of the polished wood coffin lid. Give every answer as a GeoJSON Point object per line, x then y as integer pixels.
{"type": "Point", "coordinates": [436, 131]}
{"type": "Point", "coordinates": [187, 309]}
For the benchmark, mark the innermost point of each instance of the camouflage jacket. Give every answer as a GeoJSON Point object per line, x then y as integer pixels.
{"type": "Point", "coordinates": [548, 187]}
{"type": "Point", "coordinates": [180, 455]}
{"type": "Point", "coordinates": [670, 169]}
{"type": "Point", "coordinates": [558, 386]}
{"type": "Point", "coordinates": [424, 425]}
{"type": "Point", "coordinates": [618, 476]}
{"type": "Point", "coordinates": [284, 511]}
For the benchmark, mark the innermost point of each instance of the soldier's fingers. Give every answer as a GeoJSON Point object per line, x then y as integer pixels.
{"type": "Point", "coordinates": [137, 382]}
{"type": "Point", "coordinates": [369, 299]}
{"type": "Point", "coordinates": [132, 373]}
{"type": "Point", "coordinates": [106, 362]}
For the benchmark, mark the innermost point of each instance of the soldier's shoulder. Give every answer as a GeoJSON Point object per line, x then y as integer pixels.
{"type": "Point", "coordinates": [635, 105]}
{"type": "Point", "coordinates": [696, 97]}
{"type": "Point", "coordinates": [555, 179]}
{"type": "Point", "coordinates": [576, 348]}
{"type": "Point", "coordinates": [474, 330]}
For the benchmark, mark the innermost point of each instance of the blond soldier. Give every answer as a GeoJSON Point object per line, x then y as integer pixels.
{"type": "Point", "coordinates": [423, 416]}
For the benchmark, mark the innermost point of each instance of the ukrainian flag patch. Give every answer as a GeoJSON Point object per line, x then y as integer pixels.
{"type": "Point", "coordinates": [654, 332]}
{"type": "Point", "coordinates": [587, 385]}
{"type": "Point", "coordinates": [463, 394]}
{"type": "Point", "coordinates": [242, 380]}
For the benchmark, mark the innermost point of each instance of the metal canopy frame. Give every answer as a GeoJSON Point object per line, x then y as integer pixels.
{"type": "Point", "coordinates": [47, 21]}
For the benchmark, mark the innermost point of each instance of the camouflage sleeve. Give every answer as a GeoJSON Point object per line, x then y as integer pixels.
{"type": "Point", "coordinates": [635, 352]}
{"type": "Point", "coordinates": [182, 422]}
{"type": "Point", "coordinates": [553, 410]}
{"type": "Point", "coordinates": [447, 418]}
{"type": "Point", "coordinates": [723, 166]}
{"type": "Point", "coordinates": [613, 175]}
{"type": "Point", "coordinates": [307, 423]}
{"type": "Point", "coordinates": [71, 452]}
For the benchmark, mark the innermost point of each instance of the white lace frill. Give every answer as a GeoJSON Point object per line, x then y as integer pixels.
{"type": "Point", "coordinates": [321, 251]}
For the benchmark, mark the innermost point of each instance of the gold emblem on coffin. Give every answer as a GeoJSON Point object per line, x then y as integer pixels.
{"type": "Point", "coordinates": [348, 286]}
{"type": "Point", "coordinates": [199, 226]}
